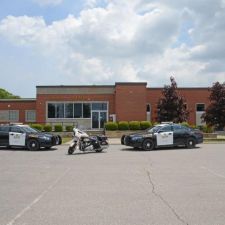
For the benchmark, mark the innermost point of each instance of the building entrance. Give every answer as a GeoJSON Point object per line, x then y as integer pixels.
{"type": "Point", "coordinates": [98, 119]}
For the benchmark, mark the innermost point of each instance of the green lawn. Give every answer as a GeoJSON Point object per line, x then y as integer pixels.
{"type": "Point", "coordinates": [66, 139]}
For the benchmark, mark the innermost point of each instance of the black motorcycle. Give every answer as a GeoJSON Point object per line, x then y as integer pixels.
{"type": "Point", "coordinates": [92, 143]}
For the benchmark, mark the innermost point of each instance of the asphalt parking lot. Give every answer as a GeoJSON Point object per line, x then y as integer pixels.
{"type": "Point", "coordinates": [118, 187]}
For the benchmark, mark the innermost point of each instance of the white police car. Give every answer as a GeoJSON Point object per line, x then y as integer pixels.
{"type": "Point", "coordinates": [164, 135]}
{"type": "Point", "coordinates": [25, 136]}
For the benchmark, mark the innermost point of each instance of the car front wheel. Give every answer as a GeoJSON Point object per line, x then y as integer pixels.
{"type": "Point", "coordinates": [190, 143]}
{"type": "Point", "coordinates": [148, 145]}
{"type": "Point", "coordinates": [33, 145]}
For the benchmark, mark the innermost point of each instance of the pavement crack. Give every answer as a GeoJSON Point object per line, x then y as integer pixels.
{"type": "Point", "coordinates": [163, 200]}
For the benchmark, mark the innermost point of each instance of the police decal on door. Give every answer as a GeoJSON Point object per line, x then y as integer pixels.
{"type": "Point", "coordinates": [164, 138]}
{"type": "Point", "coordinates": [17, 139]}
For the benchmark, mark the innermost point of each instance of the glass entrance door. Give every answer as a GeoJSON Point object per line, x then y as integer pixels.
{"type": "Point", "coordinates": [98, 119]}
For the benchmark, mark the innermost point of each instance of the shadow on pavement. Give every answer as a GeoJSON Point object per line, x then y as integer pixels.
{"type": "Point", "coordinates": [85, 153]}
{"type": "Point", "coordinates": [159, 149]}
{"type": "Point", "coordinates": [17, 149]}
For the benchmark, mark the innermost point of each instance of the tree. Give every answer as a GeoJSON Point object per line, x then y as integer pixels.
{"type": "Point", "coordinates": [172, 107]}
{"type": "Point", "coordinates": [215, 112]}
{"type": "Point", "coordinates": [6, 95]}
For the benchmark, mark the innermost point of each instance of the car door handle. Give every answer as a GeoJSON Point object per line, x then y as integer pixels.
{"type": "Point", "coordinates": [12, 134]}
{"type": "Point", "coordinates": [170, 133]}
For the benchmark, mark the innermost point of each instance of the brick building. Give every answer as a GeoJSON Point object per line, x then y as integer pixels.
{"type": "Point", "coordinates": [90, 106]}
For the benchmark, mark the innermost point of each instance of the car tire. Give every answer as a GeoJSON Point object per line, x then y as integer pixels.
{"type": "Point", "coordinates": [122, 139]}
{"type": "Point", "coordinates": [190, 143]}
{"type": "Point", "coordinates": [33, 145]}
{"type": "Point", "coordinates": [148, 145]}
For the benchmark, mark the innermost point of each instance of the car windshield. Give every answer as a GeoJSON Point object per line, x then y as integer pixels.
{"type": "Point", "coordinates": [154, 129]}
{"type": "Point", "coordinates": [27, 129]}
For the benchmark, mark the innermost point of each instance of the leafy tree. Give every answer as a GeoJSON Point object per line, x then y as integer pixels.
{"type": "Point", "coordinates": [171, 107]}
{"type": "Point", "coordinates": [215, 112]}
{"type": "Point", "coordinates": [6, 95]}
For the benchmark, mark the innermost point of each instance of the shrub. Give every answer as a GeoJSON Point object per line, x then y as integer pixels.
{"type": "Point", "coordinates": [37, 126]}
{"type": "Point", "coordinates": [207, 129]}
{"type": "Point", "coordinates": [111, 126]}
{"type": "Point", "coordinates": [47, 128]}
{"type": "Point", "coordinates": [69, 128]}
{"type": "Point", "coordinates": [134, 125]}
{"type": "Point", "coordinates": [193, 126]}
{"type": "Point", "coordinates": [145, 125]}
{"type": "Point", "coordinates": [185, 124]}
{"type": "Point", "coordinates": [123, 125]}
{"type": "Point", "coordinates": [58, 128]}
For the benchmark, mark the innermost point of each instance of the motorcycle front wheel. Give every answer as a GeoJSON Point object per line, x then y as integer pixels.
{"type": "Point", "coordinates": [71, 149]}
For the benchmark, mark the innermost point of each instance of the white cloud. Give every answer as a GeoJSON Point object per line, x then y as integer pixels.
{"type": "Point", "coordinates": [130, 41]}
{"type": "Point", "coordinates": [48, 2]}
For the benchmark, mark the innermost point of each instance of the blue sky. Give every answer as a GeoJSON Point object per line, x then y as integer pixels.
{"type": "Point", "coordinates": [54, 42]}
{"type": "Point", "coordinates": [31, 8]}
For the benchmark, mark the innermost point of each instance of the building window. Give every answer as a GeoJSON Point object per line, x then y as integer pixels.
{"type": "Point", "coordinates": [30, 115]}
{"type": "Point", "coordinates": [68, 110]}
{"type": "Point", "coordinates": [55, 110]}
{"type": "Point", "coordinates": [73, 109]}
{"type": "Point", "coordinates": [14, 115]}
{"type": "Point", "coordinates": [59, 109]}
{"type": "Point", "coordinates": [200, 107]}
{"type": "Point", "coordinates": [99, 106]}
{"type": "Point", "coordinates": [86, 110]}
{"type": "Point", "coordinates": [77, 110]}
{"type": "Point", "coordinates": [51, 110]}
{"type": "Point", "coordinates": [4, 115]}
{"type": "Point", "coordinates": [148, 108]}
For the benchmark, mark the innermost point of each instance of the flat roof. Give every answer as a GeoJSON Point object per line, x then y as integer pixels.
{"type": "Point", "coordinates": [131, 83]}
{"type": "Point", "coordinates": [18, 100]}
{"type": "Point", "coordinates": [74, 86]}
{"type": "Point", "coordinates": [195, 88]}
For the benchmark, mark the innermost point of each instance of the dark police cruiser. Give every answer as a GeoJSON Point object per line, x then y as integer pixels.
{"type": "Point", "coordinates": [15, 135]}
{"type": "Point", "coordinates": [164, 135]}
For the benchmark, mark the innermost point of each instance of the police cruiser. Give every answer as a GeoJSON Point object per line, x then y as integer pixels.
{"type": "Point", "coordinates": [18, 135]}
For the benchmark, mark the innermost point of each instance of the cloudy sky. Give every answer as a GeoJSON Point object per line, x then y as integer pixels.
{"type": "Point", "coordinates": [75, 42]}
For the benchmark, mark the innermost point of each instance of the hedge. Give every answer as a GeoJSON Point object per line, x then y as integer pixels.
{"type": "Point", "coordinates": [134, 125]}
{"type": "Point", "coordinates": [69, 128]}
{"type": "Point", "coordinates": [58, 128]}
{"type": "Point", "coordinates": [111, 126]}
{"type": "Point", "coordinates": [145, 125]}
{"type": "Point", "coordinates": [185, 124]}
{"type": "Point", "coordinates": [123, 125]}
{"type": "Point", "coordinates": [47, 128]}
{"type": "Point", "coordinates": [37, 126]}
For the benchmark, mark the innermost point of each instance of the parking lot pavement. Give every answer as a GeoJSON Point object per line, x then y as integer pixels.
{"type": "Point", "coordinates": [121, 186]}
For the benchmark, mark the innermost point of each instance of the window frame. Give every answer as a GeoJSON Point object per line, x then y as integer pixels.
{"type": "Point", "coordinates": [26, 116]}
{"type": "Point", "coordinates": [75, 102]}
{"type": "Point", "coordinates": [196, 105]}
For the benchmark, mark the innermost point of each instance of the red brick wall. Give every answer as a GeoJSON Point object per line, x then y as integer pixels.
{"type": "Point", "coordinates": [192, 96]}
{"type": "Point", "coordinates": [130, 102]}
{"type": "Point", "coordinates": [19, 105]}
{"type": "Point", "coordinates": [42, 99]}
